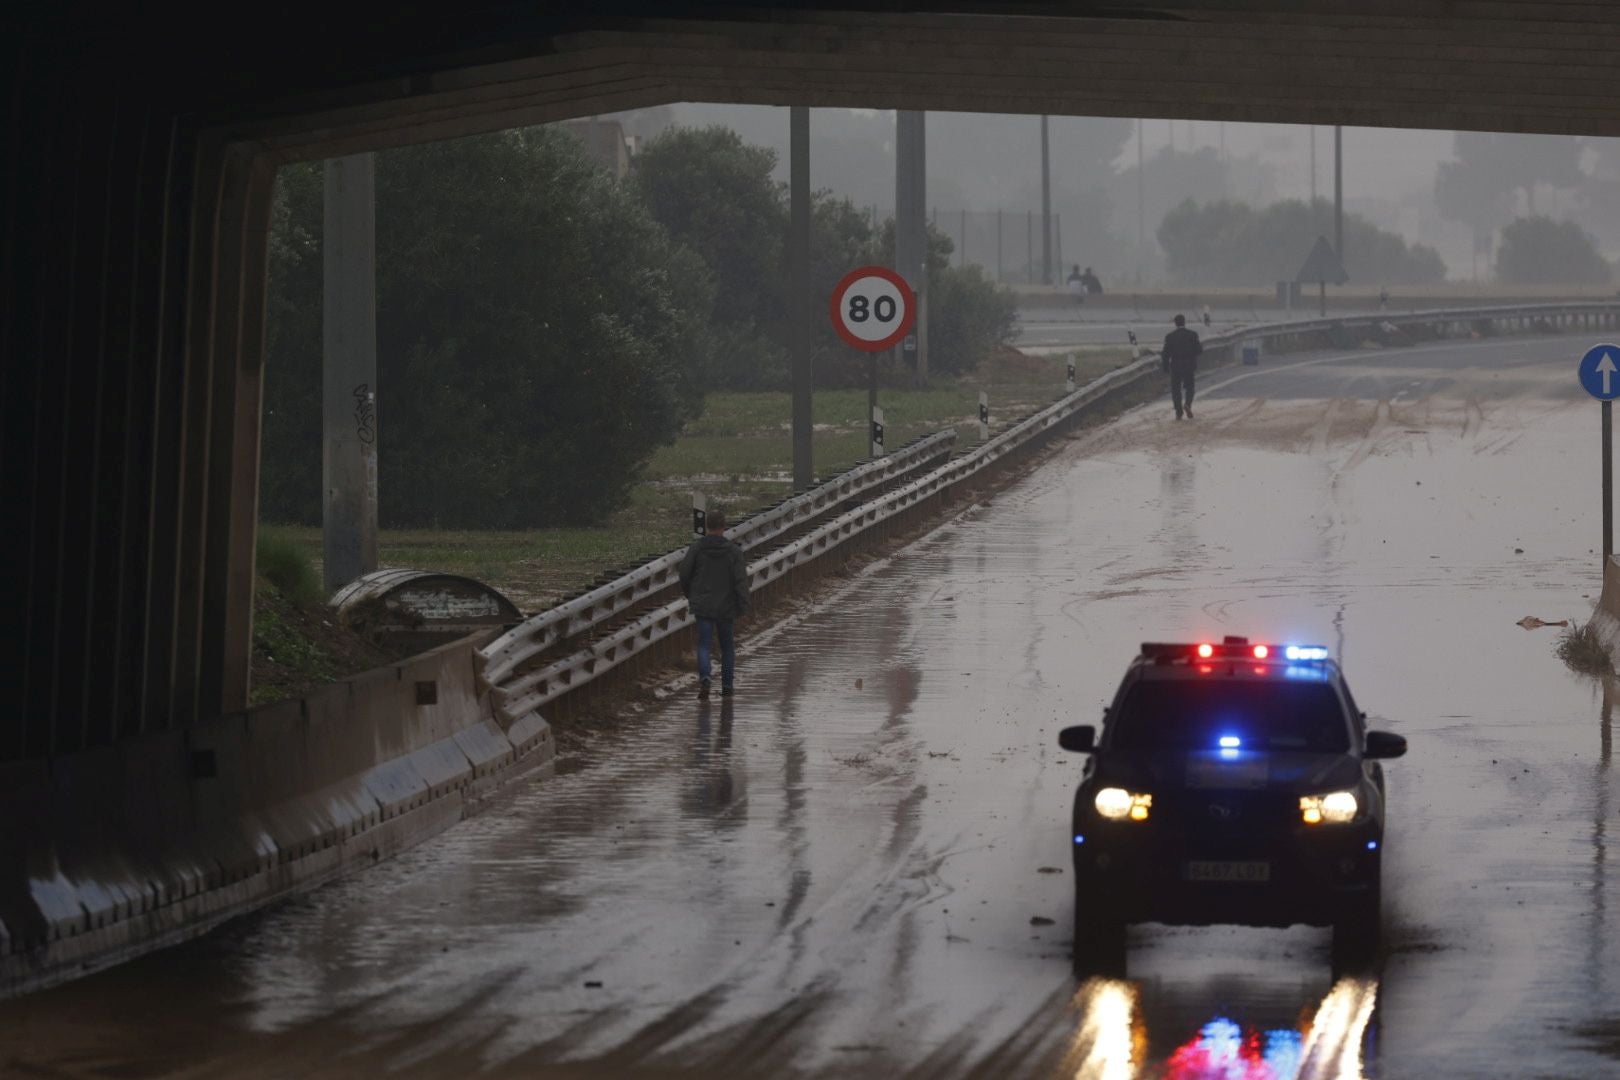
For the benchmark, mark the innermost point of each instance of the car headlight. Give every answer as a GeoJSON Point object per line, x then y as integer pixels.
{"type": "Point", "coordinates": [1334, 808]}
{"type": "Point", "coordinates": [1117, 804]}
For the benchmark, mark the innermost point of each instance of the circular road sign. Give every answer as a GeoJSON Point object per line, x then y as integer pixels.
{"type": "Point", "coordinates": [872, 308]}
{"type": "Point", "coordinates": [1600, 372]}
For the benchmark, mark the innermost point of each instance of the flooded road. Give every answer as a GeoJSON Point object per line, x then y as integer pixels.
{"type": "Point", "coordinates": [859, 865]}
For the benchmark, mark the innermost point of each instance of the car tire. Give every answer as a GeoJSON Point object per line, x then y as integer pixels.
{"type": "Point", "coordinates": [1356, 935]}
{"type": "Point", "coordinates": [1099, 940]}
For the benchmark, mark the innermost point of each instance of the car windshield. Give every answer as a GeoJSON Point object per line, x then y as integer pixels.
{"type": "Point", "coordinates": [1210, 713]}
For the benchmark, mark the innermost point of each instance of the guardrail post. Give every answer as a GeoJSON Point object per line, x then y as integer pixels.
{"type": "Point", "coordinates": [1069, 385]}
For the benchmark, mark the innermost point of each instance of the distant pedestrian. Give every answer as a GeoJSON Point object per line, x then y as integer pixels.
{"type": "Point", "coordinates": [714, 580]}
{"type": "Point", "coordinates": [1077, 284]}
{"type": "Point", "coordinates": [1180, 359]}
{"type": "Point", "coordinates": [1092, 283]}
{"type": "Point", "coordinates": [1383, 298]}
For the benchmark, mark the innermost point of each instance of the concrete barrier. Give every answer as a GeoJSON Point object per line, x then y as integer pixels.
{"type": "Point", "coordinates": [110, 853]}
{"type": "Point", "coordinates": [1609, 598]}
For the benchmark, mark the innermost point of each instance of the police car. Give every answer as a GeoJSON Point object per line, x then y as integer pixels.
{"type": "Point", "coordinates": [1231, 783]}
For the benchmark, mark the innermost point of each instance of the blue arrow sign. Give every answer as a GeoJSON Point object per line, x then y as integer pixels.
{"type": "Point", "coordinates": [1600, 372]}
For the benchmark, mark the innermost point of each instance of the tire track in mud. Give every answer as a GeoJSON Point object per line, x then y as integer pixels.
{"type": "Point", "coordinates": [1381, 426]}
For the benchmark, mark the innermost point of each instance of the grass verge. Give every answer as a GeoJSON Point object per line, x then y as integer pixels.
{"type": "Point", "coordinates": [738, 453]}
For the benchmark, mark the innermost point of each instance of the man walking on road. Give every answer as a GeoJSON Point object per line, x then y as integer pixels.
{"type": "Point", "coordinates": [714, 580]}
{"type": "Point", "coordinates": [1180, 359]}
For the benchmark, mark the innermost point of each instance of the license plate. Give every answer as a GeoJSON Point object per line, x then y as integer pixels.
{"type": "Point", "coordinates": [1211, 773]}
{"type": "Point", "coordinates": [1229, 871]}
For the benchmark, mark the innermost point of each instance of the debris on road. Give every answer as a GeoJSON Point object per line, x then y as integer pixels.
{"type": "Point", "coordinates": [1530, 622]}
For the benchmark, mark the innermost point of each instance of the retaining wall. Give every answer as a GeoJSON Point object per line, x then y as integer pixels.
{"type": "Point", "coordinates": [110, 853]}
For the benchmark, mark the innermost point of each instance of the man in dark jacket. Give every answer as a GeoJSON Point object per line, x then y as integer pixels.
{"type": "Point", "coordinates": [714, 580]}
{"type": "Point", "coordinates": [1180, 359]}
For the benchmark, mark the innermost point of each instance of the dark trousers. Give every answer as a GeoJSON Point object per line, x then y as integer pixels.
{"type": "Point", "coordinates": [708, 629]}
{"type": "Point", "coordinates": [1181, 387]}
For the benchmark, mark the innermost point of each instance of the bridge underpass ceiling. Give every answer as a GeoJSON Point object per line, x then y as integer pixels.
{"type": "Point", "coordinates": [1502, 66]}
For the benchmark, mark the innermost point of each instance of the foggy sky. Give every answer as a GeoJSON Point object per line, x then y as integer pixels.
{"type": "Point", "coordinates": [984, 162]}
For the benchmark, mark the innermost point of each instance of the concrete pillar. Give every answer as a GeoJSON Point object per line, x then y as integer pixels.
{"type": "Point", "coordinates": [349, 372]}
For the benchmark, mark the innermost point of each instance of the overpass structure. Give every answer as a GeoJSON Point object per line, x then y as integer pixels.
{"type": "Point", "coordinates": [135, 213]}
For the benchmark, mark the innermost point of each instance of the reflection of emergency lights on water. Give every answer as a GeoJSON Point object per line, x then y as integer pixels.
{"type": "Point", "coordinates": [1221, 1051]}
{"type": "Point", "coordinates": [1329, 1046]}
{"type": "Point", "coordinates": [1110, 1034]}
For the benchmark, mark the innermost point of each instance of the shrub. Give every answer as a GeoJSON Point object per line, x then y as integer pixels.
{"type": "Point", "coordinates": [1582, 647]}
{"type": "Point", "coordinates": [283, 562]}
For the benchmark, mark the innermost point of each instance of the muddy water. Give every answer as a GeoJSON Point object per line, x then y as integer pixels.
{"type": "Point", "coordinates": [858, 866]}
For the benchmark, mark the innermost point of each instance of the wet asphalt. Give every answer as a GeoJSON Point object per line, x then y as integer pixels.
{"type": "Point", "coordinates": [859, 865]}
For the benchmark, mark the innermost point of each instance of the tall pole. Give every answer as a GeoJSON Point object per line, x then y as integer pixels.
{"type": "Point", "coordinates": [1608, 486]}
{"type": "Point", "coordinates": [799, 292]}
{"type": "Point", "coordinates": [1141, 206]}
{"type": "Point", "coordinates": [911, 226]}
{"type": "Point", "coordinates": [998, 246]}
{"type": "Point", "coordinates": [1316, 222]}
{"type": "Point", "coordinates": [1046, 208]}
{"type": "Point", "coordinates": [349, 372]}
{"type": "Point", "coordinates": [1338, 192]}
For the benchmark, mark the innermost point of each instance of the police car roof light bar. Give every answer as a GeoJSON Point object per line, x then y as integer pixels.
{"type": "Point", "coordinates": [1232, 647]}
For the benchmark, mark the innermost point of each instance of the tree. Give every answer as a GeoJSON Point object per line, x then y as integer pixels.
{"type": "Point", "coordinates": [539, 335]}
{"type": "Point", "coordinates": [1541, 251]}
{"type": "Point", "coordinates": [968, 314]}
{"type": "Point", "coordinates": [1229, 243]}
{"type": "Point", "coordinates": [714, 194]}
{"type": "Point", "coordinates": [1480, 187]}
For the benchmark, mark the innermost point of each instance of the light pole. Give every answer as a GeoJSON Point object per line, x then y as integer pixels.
{"type": "Point", "coordinates": [1338, 192]}
{"type": "Point", "coordinates": [1046, 208]}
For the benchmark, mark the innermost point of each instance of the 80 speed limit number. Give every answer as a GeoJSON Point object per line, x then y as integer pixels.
{"type": "Point", "coordinates": [873, 308]}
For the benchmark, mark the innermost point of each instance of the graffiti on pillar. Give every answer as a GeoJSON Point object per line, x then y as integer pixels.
{"type": "Point", "coordinates": [365, 414]}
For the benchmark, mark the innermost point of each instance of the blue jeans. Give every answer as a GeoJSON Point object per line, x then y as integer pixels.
{"type": "Point", "coordinates": [728, 649]}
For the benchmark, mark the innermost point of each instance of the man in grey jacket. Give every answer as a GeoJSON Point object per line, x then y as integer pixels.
{"type": "Point", "coordinates": [714, 580]}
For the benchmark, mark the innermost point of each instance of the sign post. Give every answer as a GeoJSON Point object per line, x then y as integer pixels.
{"type": "Point", "coordinates": [1600, 376]}
{"type": "Point", "coordinates": [700, 513]}
{"type": "Point", "coordinates": [873, 309]}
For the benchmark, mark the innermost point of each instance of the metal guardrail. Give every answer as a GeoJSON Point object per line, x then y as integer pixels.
{"type": "Point", "coordinates": [517, 696]}
{"type": "Point", "coordinates": [1562, 313]}
{"type": "Point", "coordinates": [502, 657]}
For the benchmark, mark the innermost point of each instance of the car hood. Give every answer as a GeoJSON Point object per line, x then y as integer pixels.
{"type": "Point", "coordinates": [1204, 770]}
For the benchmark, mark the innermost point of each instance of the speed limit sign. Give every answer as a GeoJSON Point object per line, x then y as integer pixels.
{"type": "Point", "coordinates": [872, 308]}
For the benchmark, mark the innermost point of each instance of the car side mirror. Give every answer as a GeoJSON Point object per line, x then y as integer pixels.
{"type": "Point", "coordinates": [1082, 739]}
{"type": "Point", "coordinates": [1384, 744]}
